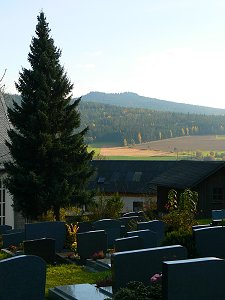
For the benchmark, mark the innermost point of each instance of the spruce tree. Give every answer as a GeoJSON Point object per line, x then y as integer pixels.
{"type": "Point", "coordinates": [50, 164]}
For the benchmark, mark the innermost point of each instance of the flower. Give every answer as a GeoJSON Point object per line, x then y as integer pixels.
{"type": "Point", "coordinates": [156, 278]}
{"type": "Point", "coordinates": [98, 255]}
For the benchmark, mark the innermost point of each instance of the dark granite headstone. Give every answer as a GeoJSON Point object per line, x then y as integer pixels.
{"type": "Point", "coordinates": [112, 229]}
{"type": "Point", "coordinates": [13, 239]}
{"type": "Point", "coordinates": [129, 243]}
{"type": "Point", "coordinates": [141, 265]}
{"type": "Point", "coordinates": [85, 226]}
{"type": "Point", "coordinates": [218, 214]}
{"type": "Point", "coordinates": [150, 238]}
{"type": "Point", "coordinates": [130, 222]}
{"type": "Point", "coordinates": [53, 230]}
{"type": "Point", "coordinates": [134, 213]}
{"type": "Point", "coordinates": [210, 241]}
{"type": "Point", "coordinates": [156, 226]}
{"type": "Point", "coordinates": [4, 228]}
{"type": "Point", "coordinates": [44, 248]}
{"type": "Point", "coordinates": [14, 231]}
{"type": "Point", "coordinates": [200, 226]}
{"type": "Point", "coordinates": [91, 242]}
{"type": "Point", "coordinates": [22, 278]}
{"type": "Point", "coordinates": [194, 279]}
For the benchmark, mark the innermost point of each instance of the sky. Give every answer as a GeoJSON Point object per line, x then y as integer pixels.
{"type": "Point", "coordinates": [167, 49]}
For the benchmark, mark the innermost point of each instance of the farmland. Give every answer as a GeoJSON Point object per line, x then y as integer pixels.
{"type": "Point", "coordinates": [174, 148]}
{"type": "Point", "coordinates": [187, 143]}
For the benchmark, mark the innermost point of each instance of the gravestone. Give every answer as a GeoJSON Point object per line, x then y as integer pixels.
{"type": "Point", "coordinates": [129, 243]}
{"type": "Point", "coordinates": [156, 226]}
{"type": "Point", "coordinates": [4, 228]}
{"type": "Point", "coordinates": [112, 229]}
{"type": "Point", "coordinates": [13, 239]}
{"type": "Point", "coordinates": [150, 238]}
{"type": "Point", "coordinates": [22, 278]}
{"type": "Point", "coordinates": [141, 265]}
{"type": "Point", "coordinates": [44, 248]}
{"type": "Point", "coordinates": [130, 223]}
{"type": "Point", "coordinates": [218, 215]}
{"type": "Point", "coordinates": [91, 242]}
{"type": "Point", "coordinates": [53, 230]}
{"type": "Point", "coordinates": [194, 279]}
{"type": "Point", "coordinates": [200, 226]}
{"type": "Point", "coordinates": [84, 226]}
{"type": "Point", "coordinates": [134, 213]}
{"type": "Point", "coordinates": [210, 241]}
{"type": "Point", "coordinates": [14, 231]}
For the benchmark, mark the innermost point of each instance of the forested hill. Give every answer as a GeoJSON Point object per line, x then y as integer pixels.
{"type": "Point", "coordinates": [134, 100]}
{"type": "Point", "coordinates": [114, 124]}
{"type": "Point", "coordinates": [111, 124]}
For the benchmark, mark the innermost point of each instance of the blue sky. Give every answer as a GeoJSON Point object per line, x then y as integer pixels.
{"type": "Point", "coordinates": [167, 49]}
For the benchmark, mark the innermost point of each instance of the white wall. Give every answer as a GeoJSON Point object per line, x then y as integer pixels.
{"type": "Point", "coordinates": [9, 212]}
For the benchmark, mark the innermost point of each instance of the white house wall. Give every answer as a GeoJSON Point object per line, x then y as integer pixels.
{"type": "Point", "coordinates": [129, 202]}
{"type": "Point", "coordinates": [8, 212]}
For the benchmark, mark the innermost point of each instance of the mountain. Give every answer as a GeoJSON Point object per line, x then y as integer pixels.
{"type": "Point", "coordinates": [133, 100]}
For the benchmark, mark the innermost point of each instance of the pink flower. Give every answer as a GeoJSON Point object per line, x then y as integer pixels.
{"type": "Point", "coordinates": [156, 278]}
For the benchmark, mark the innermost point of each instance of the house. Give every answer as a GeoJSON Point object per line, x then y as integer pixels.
{"type": "Point", "coordinates": [205, 177]}
{"type": "Point", "coordinates": [130, 178]}
{"type": "Point", "coordinates": [6, 210]}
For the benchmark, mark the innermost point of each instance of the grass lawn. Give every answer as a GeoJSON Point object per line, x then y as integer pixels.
{"type": "Point", "coordinates": [204, 221]}
{"type": "Point", "coordinates": [96, 150]}
{"type": "Point", "coordinates": [66, 274]}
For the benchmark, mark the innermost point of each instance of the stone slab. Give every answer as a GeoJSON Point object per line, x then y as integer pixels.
{"type": "Point", "coordinates": [76, 292]}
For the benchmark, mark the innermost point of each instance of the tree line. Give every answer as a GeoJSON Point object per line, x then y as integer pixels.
{"type": "Point", "coordinates": [127, 126]}
{"type": "Point", "coordinates": [124, 126]}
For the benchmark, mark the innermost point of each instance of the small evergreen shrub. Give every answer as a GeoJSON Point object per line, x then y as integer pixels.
{"type": "Point", "coordinates": [183, 238]}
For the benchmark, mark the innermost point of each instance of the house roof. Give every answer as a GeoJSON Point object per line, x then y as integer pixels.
{"type": "Point", "coordinates": [4, 127]}
{"type": "Point", "coordinates": [187, 174]}
{"type": "Point", "coordinates": [126, 176]}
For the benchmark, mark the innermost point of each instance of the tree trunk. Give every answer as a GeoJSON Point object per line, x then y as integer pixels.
{"type": "Point", "coordinates": [57, 213]}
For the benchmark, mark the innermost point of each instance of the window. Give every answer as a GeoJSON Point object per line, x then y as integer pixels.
{"type": "Point", "coordinates": [137, 176]}
{"type": "Point", "coordinates": [218, 195]}
{"type": "Point", "coordinates": [2, 203]}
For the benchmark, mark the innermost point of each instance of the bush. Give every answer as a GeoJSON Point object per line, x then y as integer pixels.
{"type": "Point", "coordinates": [138, 291]}
{"type": "Point", "coordinates": [183, 238]}
{"type": "Point", "coordinates": [182, 211]}
{"type": "Point", "coordinates": [71, 237]}
{"type": "Point", "coordinates": [106, 207]}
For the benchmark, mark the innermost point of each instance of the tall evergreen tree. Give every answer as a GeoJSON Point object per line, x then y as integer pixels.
{"type": "Point", "coordinates": [50, 163]}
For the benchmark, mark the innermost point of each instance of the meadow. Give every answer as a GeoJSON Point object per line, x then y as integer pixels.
{"type": "Point", "coordinates": [186, 147]}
